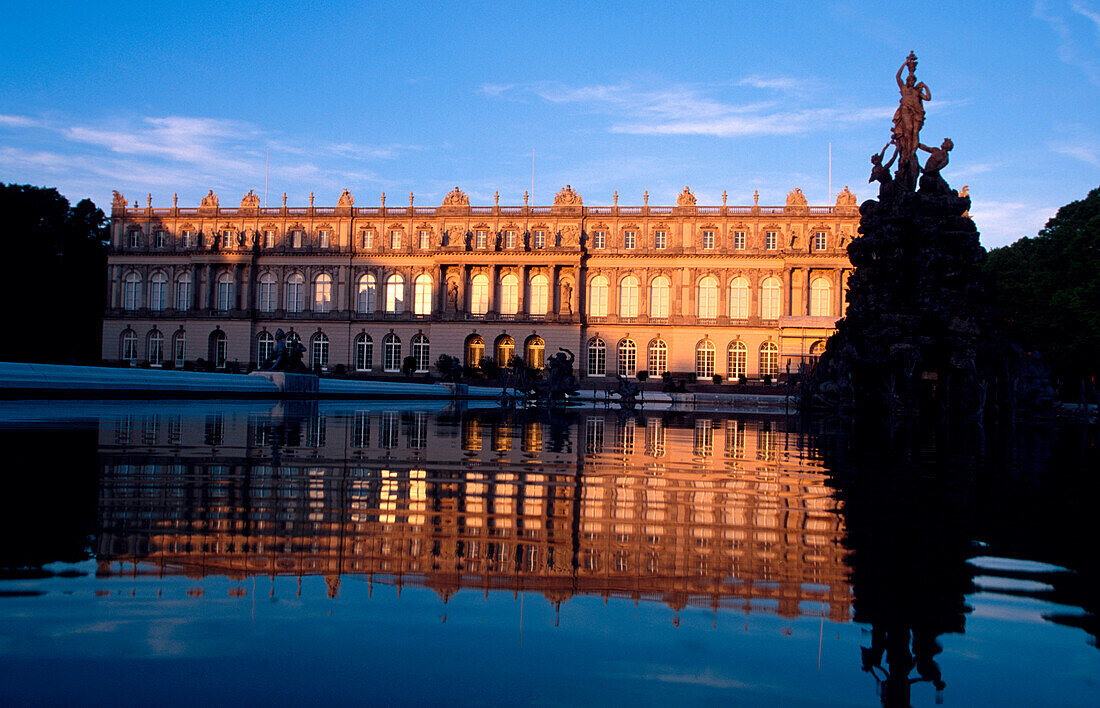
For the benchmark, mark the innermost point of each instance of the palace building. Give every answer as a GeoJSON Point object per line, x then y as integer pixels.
{"type": "Point", "coordinates": [713, 290]}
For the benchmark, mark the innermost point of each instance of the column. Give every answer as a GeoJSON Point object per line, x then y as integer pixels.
{"type": "Point", "coordinates": [494, 289]}
{"type": "Point", "coordinates": [207, 302]}
{"type": "Point", "coordinates": [521, 308]}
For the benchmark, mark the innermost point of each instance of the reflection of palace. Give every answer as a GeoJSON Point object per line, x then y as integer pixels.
{"type": "Point", "coordinates": [728, 290]}
{"type": "Point", "coordinates": [701, 511]}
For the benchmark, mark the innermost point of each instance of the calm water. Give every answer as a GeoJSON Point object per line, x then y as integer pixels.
{"type": "Point", "coordinates": [244, 552]}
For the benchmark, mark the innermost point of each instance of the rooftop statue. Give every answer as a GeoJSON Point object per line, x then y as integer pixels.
{"type": "Point", "coordinates": [908, 120]}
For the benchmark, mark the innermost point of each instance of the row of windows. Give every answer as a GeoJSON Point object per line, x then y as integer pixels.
{"type": "Point", "coordinates": [481, 239]}
{"type": "Point", "coordinates": [821, 301]}
{"type": "Point", "coordinates": [737, 358]}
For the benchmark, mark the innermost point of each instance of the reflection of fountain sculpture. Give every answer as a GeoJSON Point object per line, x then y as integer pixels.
{"type": "Point", "coordinates": [627, 391]}
{"type": "Point", "coordinates": [559, 383]}
{"type": "Point", "coordinates": [918, 333]}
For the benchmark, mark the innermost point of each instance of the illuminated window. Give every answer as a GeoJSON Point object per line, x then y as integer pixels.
{"type": "Point", "coordinates": [769, 299]}
{"type": "Point", "coordinates": [821, 297]}
{"type": "Point", "coordinates": [322, 293]}
{"type": "Point", "coordinates": [737, 360]}
{"type": "Point", "coordinates": [769, 359]}
{"type": "Point", "coordinates": [422, 295]}
{"type": "Point", "coordinates": [269, 239]}
{"type": "Point", "coordinates": [534, 351]}
{"type": "Point", "coordinates": [628, 357]}
{"type": "Point", "coordinates": [658, 357]}
{"type": "Point", "coordinates": [628, 297]}
{"type": "Point", "coordinates": [505, 351]}
{"type": "Point", "coordinates": [509, 295]}
{"type": "Point", "coordinates": [540, 295]}
{"type": "Point", "coordinates": [704, 359]}
{"type": "Point", "coordinates": [479, 294]}
{"type": "Point", "coordinates": [395, 294]}
{"type": "Point", "coordinates": [597, 297]}
{"type": "Point", "coordinates": [658, 297]}
{"type": "Point", "coordinates": [597, 357]}
{"type": "Point", "coordinates": [295, 239]}
{"type": "Point", "coordinates": [708, 298]}
{"type": "Point", "coordinates": [475, 351]}
{"type": "Point", "coordinates": [739, 298]}
{"type": "Point", "coordinates": [366, 298]}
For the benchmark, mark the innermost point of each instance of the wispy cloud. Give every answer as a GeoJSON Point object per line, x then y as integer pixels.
{"type": "Point", "coordinates": [1069, 24]}
{"type": "Point", "coordinates": [10, 121]}
{"type": "Point", "coordinates": [692, 110]}
{"type": "Point", "coordinates": [1001, 223]}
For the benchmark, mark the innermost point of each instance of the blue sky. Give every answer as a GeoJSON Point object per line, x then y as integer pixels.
{"type": "Point", "coordinates": [420, 97]}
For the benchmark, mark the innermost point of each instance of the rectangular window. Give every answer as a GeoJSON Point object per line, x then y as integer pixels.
{"type": "Point", "coordinates": [295, 239]}
{"type": "Point", "coordinates": [819, 241]}
{"type": "Point", "coordinates": [269, 239]}
{"type": "Point", "coordinates": [323, 239]}
{"type": "Point", "coordinates": [225, 295]}
{"type": "Point", "coordinates": [509, 239]}
{"type": "Point", "coordinates": [188, 239]}
{"type": "Point", "coordinates": [158, 239]}
{"type": "Point", "coordinates": [708, 240]}
{"type": "Point", "coordinates": [395, 239]}
{"type": "Point", "coordinates": [135, 239]}
{"type": "Point", "coordinates": [629, 239]}
{"type": "Point", "coordinates": [660, 240]}
{"type": "Point", "coordinates": [538, 239]}
{"type": "Point", "coordinates": [366, 239]}
{"type": "Point", "coordinates": [183, 294]}
{"type": "Point", "coordinates": [771, 240]}
{"type": "Point", "coordinates": [180, 348]}
{"type": "Point", "coordinates": [739, 240]}
{"type": "Point", "coordinates": [425, 240]}
{"type": "Point", "coordinates": [599, 239]}
{"type": "Point", "coordinates": [480, 240]}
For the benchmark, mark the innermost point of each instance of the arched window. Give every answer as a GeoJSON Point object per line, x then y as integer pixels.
{"type": "Point", "coordinates": [540, 295]}
{"type": "Point", "coordinates": [509, 294]}
{"type": "Point", "coordinates": [597, 297]}
{"type": "Point", "coordinates": [505, 350]}
{"type": "Point", "coordinates": [366, 298]}
{"type": "Point", "coordinates": [769, 359]}
{"type": "Point", "coordinates": [131, 291]}
{"type": "Point", "coordinates": [265, 344]}
{"type": "Point", "coordinates": [737, 359]}
{"type": "Point", "coordinates": [421, 351]}
{"type": "Point", "coordinates": [597, 357]}
{"type": "Point", "coordinates": [821, 297]}
{"type": "Point", "coordinates": [129, 346]}
{"type": "Point", "coordinates": [364, 352]}
{"type": "Point", "coordinates": [739, 299]}
{"type": "Point", "coordinates": [479, 294]}
{"type": "Point", "coordinates": [183, 292]}
{"type": "Point", "coordinates": [218, 348]}
{"type": "Point", "coordinates": [225, 292]}
{"type": "Point", "coordinates": [628, 357]}
{"type": "Point", "coordinates": [704, 359]}
{"type": "Point", "coordinates": [322, 293]}
{"type": "Point", "coordinates": [179, 348]}
{"type": "Point", "coordinates": [817, 348]}
{"type": "Point", "coordinates": [267, 285]}
{"type": "Point", "coordinates": [658, 298]}
{"type": "Point", "coordinates": [156, 346]}
{"type": "Point", "coordinates": [318, 349]}
{"type": "Point", "coordinates": [708, 298]}
{"type": "Point", "coordinates": [475, 351]}
{"type": "Point", "coordinates": [158, 291]}
{"type": "Point", "coordinates": [395, 294]}
{"type": "Point", "coordinates": [292, 338]}
{"type": "Point", "coordinates": [422, 295]}
{"type": "Point", "coordinates": [658, 357]}
{"type": "Point", "coordinates": [769, 299]}
{"type": "Point", "coordinates": [628, 297]}
{"type": "Point", "coordinates": [391, 352]}
{"type": "Point", "coordinates": [295, 298]}
{"type": "Point", "coordinates": [534, 351]}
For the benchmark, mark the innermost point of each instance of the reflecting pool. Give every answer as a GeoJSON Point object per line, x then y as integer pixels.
{"type": "Point", "coordinates": [221, 552]}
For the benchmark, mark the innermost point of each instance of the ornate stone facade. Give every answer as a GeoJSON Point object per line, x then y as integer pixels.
{"type": "Point", "coordinates": [726, 290]}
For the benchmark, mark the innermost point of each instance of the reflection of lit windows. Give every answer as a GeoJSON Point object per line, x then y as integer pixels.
{"type": "Point", "coordinates": [654, 437]}
{"type": "Point", "coordinates": [704, 438]}
{"type": "Point", "coordinates": [593, 435]}
{"type": "Point", "coordinates": [502, 437]}
{"type": "Point", "coordinates": [766, 442]}
{"type": "Point", "coordinates": [624, 437]}
{"type": "Point", "coordinates": [532, 437]}
{"type": "Point", "coordinates": [471, 435]}
{"type": "Point", "coordinates": [735, 439]}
